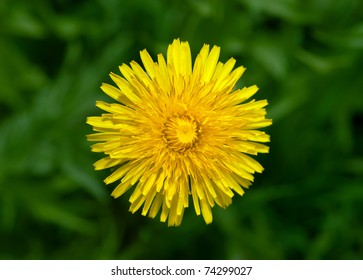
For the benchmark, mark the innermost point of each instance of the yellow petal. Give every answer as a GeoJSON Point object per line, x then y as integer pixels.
{"type": "Point", "coordinates": [206, 211]}
{"type": "Point", "coordinates": [210, 64]}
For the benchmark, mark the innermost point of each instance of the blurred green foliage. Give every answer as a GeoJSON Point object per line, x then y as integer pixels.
{"type": "Point", "coordinates": [306, 57]}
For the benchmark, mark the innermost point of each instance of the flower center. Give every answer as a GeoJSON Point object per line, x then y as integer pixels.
{"type": "Point", "coordinates": [181, 133]}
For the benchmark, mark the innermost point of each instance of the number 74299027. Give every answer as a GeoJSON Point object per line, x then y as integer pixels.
{"type": "Point", "coordinates": [225, 270]}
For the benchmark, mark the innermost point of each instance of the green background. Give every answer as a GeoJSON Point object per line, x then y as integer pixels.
{"type": "Point", "coordinates": [305, 56]}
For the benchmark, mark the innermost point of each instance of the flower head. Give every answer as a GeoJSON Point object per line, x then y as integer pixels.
{"type": "Point", "coordinates": [178, 130]}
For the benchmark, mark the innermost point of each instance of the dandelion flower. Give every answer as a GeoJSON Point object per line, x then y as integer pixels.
{"type": "Point", "coordinates": [178, 130]}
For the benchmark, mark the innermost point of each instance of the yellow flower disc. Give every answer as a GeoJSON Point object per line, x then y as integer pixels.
{"type": "Point", "coordinates": [178, 130]}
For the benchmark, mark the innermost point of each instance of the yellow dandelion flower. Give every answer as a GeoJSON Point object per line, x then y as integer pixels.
{"type": "Point", "coordinates": [178, 130]}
